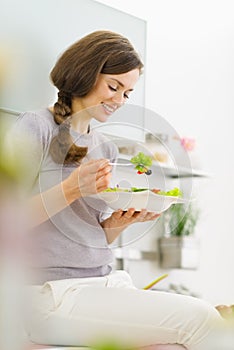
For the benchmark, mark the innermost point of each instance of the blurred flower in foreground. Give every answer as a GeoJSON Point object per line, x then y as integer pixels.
{"type": "Point", "coordinates": [110, 345]}
{"type": "Point", "coordinates": [12, 224]}
{"type": "Point", "coordinates": [3, 64]}
{"type": "Point", "coordinates": [188, 144]}
{"type": "Point", "coordinates": [12, 235]}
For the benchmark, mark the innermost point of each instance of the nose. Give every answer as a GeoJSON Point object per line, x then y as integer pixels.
{"type": "Point", "coordinates": [118, 98]}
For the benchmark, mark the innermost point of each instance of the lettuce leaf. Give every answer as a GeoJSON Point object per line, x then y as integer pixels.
{"type": "Point", "coordinates": [141, 162]}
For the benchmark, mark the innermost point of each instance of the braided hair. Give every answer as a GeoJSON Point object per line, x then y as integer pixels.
{"type": "Point", "coordinates": [75, 74]}
{"type": "Point", "coordinates": [62, 148]}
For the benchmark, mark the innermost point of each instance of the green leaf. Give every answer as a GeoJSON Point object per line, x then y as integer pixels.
{"type": "Point", "coordinates": [183, 219]}
{"type": "Point", "coordinates": [141, 160]}
{"type": "Point", "coordinates": [175, 192]}
{"type": "Point", "coordinates": [136, 189]}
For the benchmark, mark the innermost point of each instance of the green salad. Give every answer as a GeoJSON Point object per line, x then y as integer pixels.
{"type": "Point", "coordinates": [142, 163]}
{"type": "Point", "coordinates": [175, 192]}
{"type": "Point", "coordinates": [118, 189]}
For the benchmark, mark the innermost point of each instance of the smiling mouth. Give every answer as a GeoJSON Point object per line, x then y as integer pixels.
{"type": "Point", "coordinates": [108, 108]}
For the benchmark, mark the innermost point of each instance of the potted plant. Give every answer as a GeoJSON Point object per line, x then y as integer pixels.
{"type": "Point", "coordinates": [178, 248]}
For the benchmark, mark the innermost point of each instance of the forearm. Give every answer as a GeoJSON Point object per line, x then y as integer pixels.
{"type": "Point", "coordinates": [47, 204]}
{"type": "Point", "coordinates": [87, 179]}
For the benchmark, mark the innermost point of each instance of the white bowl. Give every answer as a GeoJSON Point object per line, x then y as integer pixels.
{"type": "Point", "coordinates": [139, 200]}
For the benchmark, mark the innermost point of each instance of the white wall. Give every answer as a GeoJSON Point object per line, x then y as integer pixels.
{"type": "Point", "coordinates": [38, 46]}
{"type": "Point", "coordinates": [190, 81]}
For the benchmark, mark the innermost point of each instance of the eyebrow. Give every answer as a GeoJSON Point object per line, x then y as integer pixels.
{"type": "Point", "coordinates": [120, 83]}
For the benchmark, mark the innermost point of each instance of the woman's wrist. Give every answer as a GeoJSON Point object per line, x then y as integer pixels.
{"type": "Point", "coordinates": [112, 231]}
{"type": "Point", "coordinates": [70, 192]}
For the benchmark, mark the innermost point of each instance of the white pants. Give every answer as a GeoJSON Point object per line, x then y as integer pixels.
{"type": "Point", "coordinates": [88, 311]}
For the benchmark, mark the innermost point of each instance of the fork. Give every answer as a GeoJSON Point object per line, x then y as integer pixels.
{"type": "Point", "coordinates": [121, 164]}
{"type": "Point", "coordinates": [147, 172]}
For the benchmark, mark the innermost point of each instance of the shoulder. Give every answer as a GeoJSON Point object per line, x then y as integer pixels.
{"type": "Point", "coordinates": [39, 123]}
{"type": "Point", "coordinates": [36, 126]}
{"type": "Point", "coordinates": [37, 118]}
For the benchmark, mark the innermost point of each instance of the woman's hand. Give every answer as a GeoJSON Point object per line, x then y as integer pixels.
{"type": "Point", "coordinates": [120, 220]}
{"type": "Point", "coordinates": [89, 178]}
{"type": "Point", "coordinates": [126, 218]}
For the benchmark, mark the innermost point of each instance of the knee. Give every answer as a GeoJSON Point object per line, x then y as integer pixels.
{"type": "Point", "coordinates": [202, 319]}
{"type": "Point", "coordinates": [205, 314]}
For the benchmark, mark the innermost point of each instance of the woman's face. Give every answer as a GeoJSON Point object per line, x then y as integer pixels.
{"type": "Point", "coordinates": [110, 92]}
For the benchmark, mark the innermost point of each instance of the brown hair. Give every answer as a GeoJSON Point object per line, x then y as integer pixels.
{"type": "Point", "coordinates": [75, 74]}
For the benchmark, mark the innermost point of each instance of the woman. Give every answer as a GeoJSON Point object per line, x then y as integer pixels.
{"type": "Point", "coordinates": [77, 299]}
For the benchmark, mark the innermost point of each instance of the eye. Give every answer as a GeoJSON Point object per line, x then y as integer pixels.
{"type": "Point", "coordinates": [115, 89]}
{"type": "Point", "coordinates": [112, 88]}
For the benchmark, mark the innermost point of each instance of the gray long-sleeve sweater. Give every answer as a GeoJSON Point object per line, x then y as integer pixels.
{"type": "Point", "coordinates": [71, 243]}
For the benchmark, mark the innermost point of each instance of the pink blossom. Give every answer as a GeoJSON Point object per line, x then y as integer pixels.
{"type": "Point", "coordinates": [188, 143]}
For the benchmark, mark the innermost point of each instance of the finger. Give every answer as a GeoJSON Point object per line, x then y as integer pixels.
{"type": "Point", "coordinates": [144, 215]}
{"type": "Point", "coordinates": [102, 163]}
{"type": "Point", "coordinates": [129, 213]}
{"type": "Point", "coordinates": [93, 166]}
{"type": "Point", "coordinates": [141, 215]}
{"type": "Point", "coordinates": [151, 216]}
{"type": "Point", "coordinates": [103, 182]}
{"type": "Point", "coordinates": [155, 216]}
{"type": "Point", "coordinates": [103, 171]}
{"type": "Point", "coordinates": [117, 214]}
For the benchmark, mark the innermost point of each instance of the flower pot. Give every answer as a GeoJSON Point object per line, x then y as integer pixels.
{"type": "Point", "coordinates": [179, 252]}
